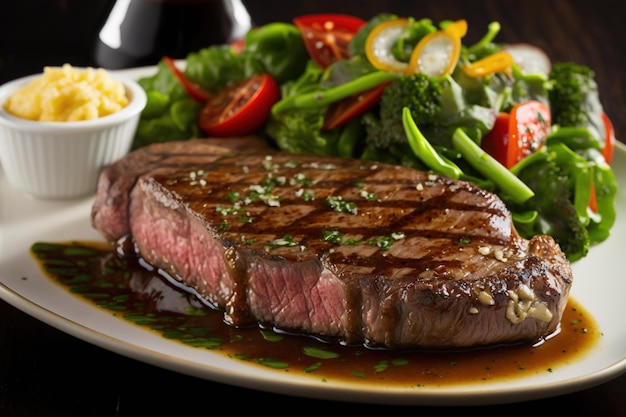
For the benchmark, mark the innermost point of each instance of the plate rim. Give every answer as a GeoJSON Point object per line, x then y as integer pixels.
{"type": "Point", "coordinates": [488, 394]}
{"type": "Point", "coordinates": [433, 396]}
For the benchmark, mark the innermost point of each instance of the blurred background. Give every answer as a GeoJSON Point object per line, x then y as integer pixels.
{"type": "Point", "coordinates": [35, 33]}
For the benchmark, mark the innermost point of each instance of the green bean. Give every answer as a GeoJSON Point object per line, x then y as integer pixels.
{"type": "Point", "coordinates": [509, 184]}
{"type": "Point", "coordinates": [320, 98]}
{"type": "Point", "coordinates": [425, 151]}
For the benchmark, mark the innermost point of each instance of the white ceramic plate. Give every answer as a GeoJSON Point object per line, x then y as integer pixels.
{"type": "Point", "coordinates": [599, 286]}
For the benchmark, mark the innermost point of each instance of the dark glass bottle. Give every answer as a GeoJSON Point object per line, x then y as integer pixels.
{"type": "Point", "coordinates": [140, 32]}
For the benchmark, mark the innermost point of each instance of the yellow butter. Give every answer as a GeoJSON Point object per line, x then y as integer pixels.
{"type": "Point", "coordinates": [65, 93]}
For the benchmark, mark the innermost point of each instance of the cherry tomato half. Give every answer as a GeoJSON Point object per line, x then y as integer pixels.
{"type": "Point", "coordinates": [240, 109]}
{"type": "Point", "coordinates": [342, 111]}
{"type": "Point", "coordinates": [518, 134]}
{"type": "Point", "coordinates": [326, 36]}
{"type": "Point", "coordinates": [529, 126]}
{"type": "Point", "coordinates": [193, 89]}
{"type": "Point", "coordinates": [496, 142]}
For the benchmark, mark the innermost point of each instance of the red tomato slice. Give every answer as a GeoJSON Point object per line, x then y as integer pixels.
{"type": "Point", "coordinates": [609, 139]}
{"type": "Point", "coordinates": [342, 111]}
{"type": "Point", "coordinates": [529, 124]}
{"type": "Point", "coordinates": [516, 135]}
{"type": "Point", "coordinates": [607, 152]}
{"type": "Point", "coordinates": [496, 142]}
{"type": "Point", "coordinates": [240, 109]}
{"type": "Point", "coordinates": [193, 89]}
{"type": "Point", "coordinates": [326, 36]}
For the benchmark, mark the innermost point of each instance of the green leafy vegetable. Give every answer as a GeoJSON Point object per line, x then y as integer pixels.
{"type": "Point", "coordinates": [170, 114]}
{"type": "Point", "coordinates": [276, 49]}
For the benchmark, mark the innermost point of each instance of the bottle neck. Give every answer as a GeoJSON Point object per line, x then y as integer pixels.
{"type": "Point", "coordinates": [141, 32]}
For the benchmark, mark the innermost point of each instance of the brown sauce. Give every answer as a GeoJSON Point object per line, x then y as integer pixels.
{"type": "Point", "coordinates": [96, 273]}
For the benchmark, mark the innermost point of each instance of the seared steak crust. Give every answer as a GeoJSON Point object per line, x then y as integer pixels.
{"type": "Point", "coordinates": [344, 250]}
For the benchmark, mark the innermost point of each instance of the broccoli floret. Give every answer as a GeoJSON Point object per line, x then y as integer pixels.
{"type": "Point", "coordinates": [438, 106]}
{"type": "Point", "coordinates": [574, 98]}
{"type": "Point", "coordinates": [419, 92]}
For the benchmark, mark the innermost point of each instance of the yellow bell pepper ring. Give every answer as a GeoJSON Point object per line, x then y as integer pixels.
{"type": "Point", "coordinates": [498, 62]}
{"type": "Point", "coordinates": [438, 53]}
{"type": "Point", "coordinates": [379, 45]}
{"type": "Point", "coordinates": [457, 28]}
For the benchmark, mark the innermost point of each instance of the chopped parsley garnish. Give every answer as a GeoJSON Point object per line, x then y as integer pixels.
{"type": "Point", "coordinates": [285, 241]}
{"type": "Point", "coordinates": [332, 236]}
{"type": "Point", "coordinates": [383, 242]}
{"type": "Point", "coordinates": [337, 203]}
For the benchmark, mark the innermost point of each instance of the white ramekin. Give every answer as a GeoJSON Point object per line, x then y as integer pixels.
{"type": "Point", "coordinates": [63, 160]}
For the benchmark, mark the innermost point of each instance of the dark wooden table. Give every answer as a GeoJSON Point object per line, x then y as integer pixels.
{"type": "Point", "coordinates": [45, 372]}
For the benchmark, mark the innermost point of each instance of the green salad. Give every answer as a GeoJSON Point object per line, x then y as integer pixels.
{"type": "Point", "coordinates": [408, 91]}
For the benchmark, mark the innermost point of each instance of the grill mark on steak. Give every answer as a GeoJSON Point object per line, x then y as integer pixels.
{"type": "Point", "coordinates": [110, 210]}
{"type": "Point", "coordinates": [458, 275]}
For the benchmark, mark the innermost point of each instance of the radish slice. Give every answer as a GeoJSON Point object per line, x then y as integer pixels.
{"type": "Point", "coordinates": [531, 59]}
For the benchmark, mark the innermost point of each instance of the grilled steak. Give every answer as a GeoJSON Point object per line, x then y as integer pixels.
{"type": "Point", "coordinates": [344, 250]}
